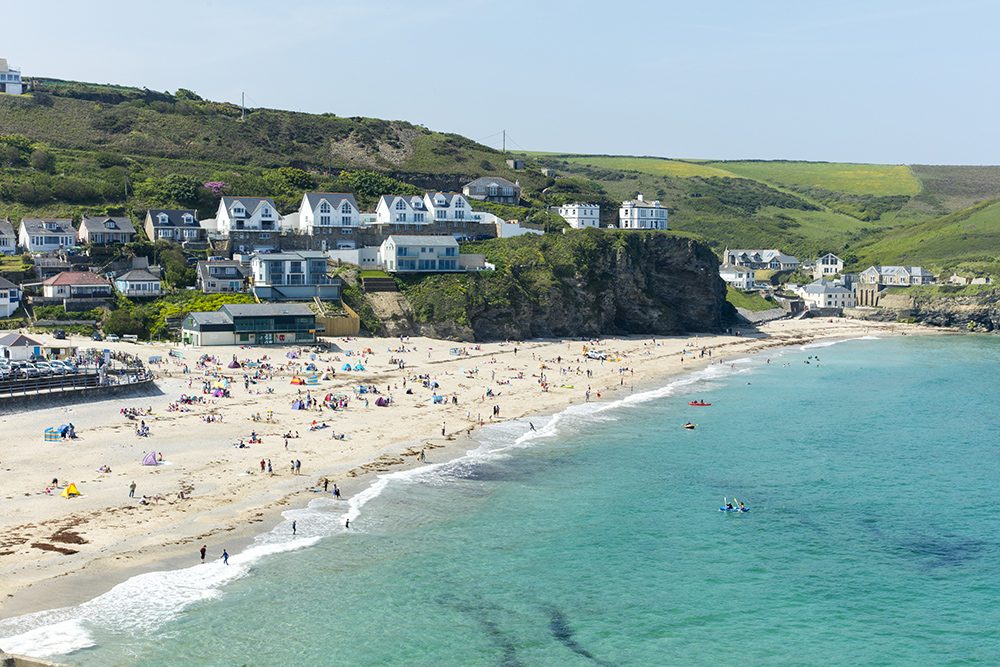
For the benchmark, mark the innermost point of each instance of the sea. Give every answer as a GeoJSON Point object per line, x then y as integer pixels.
{"type": "Point", "coordinates": [871, 469]}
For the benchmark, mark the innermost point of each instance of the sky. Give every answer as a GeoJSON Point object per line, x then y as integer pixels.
{"type": "Point", "coordinates": [871, 81]}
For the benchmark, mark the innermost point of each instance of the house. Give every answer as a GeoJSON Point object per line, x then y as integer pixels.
{"type": "Point", "coordinates": [8, 239]}
{"type": "Point", "coordinates": [828, 265]}
{"type": "Point", "coordinates": [18, 347]}
{"type": "Point", "coordinates": [402, 212]}
{"type": "Point", "coordinates": [415, 254]}
{"type": "Point", "coordinates": [739, 277]}
{"type": "Point", "coordinates": [290, 276]}
{"type": "Point", "coordinates": [641, 214]}
{"type": "Point", "coordinates": [10, 297]}
{"type": "Point", "coordinates": [325, 212]}
{"type": "Point", "coordinates": [10, 79]}
{"type": "Point", "coordinates": [177, 225]}
{"type": "Point", "coordinates": [252, 224]}
{"type": "Point", "coordinates": [445, 207]}
{"type": "Point", "coordinates": [215, 277]}
{"type": "Point", "coordinates": [251, 324]}
{"type": "Point", "coordinates": [516, 165]}
{"type": "Point", "coordinates": [493, 189]}
{"type": "Point", "coordinates": [139, 280]}
{"type": "Point", "coordinates": [46, 234]}
{"type": "Point", "coordinates": [104, 231]}
{"type": "Point", "coordinates": [826, 294]}
{"type": "Point", "coordinates": [896, 276]}
{"type": "Point", "coordinates": [76, 285]}
{"type": "Point", "coordinates": [774, 260]}
{"type": "Point", "coordinates": [580, 215]}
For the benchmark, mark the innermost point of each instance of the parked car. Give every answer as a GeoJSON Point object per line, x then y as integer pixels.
{"type": "Point", "coordinates": [25, 369]}
{"type": "Point", "coordinates": [59, 334]}
{"type": "Point", "coordinates": [43, 367]}
{"type": "Point", "coordinates": [97, 337]}
{"type": "Point", "coordinates": [69, 366]}
{"type": "Point", "coordinates": [34, 358]}
{"type": "Point", "coordinates": [112, 338]}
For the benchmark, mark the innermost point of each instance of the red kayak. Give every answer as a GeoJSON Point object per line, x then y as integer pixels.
{"type": "Point", "coordinates": [699, 403]}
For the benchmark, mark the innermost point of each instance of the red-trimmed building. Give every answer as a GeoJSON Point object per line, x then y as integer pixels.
{"type": "Point", "coordinates": [76, 285]}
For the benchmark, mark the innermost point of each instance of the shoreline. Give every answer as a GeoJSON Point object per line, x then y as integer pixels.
{"type": "Point", "coordinates": [41, 580]}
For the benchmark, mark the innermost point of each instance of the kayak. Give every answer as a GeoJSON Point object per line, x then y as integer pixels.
{"type": "Point", "coordinates": [734, 509]}
{"type": "Point", "coordinates": [699, 403]}
{"type": "Point", "coordinates": [688, 425]}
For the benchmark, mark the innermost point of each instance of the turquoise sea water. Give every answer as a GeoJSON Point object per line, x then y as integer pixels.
{"type": "Point", "coordinates": [873, 538]}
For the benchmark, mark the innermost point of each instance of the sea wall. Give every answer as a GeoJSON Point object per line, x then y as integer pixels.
{"type": "Point", "coordinates": [20, 403]}
{"type": "Point", "coordinates": [11, 660]}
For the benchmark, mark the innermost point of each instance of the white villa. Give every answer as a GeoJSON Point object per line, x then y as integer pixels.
{"type": "Point", "coordinates": [419, 254]}
{"type": "Point", "coordinates": [322, 212]}
{"type": "Point", "coordinates": [828, 265]}
{"type": "Point", "coordinates": [825, 294]}
{"type": "Point", "coordinates": [402, 212]}
{"type": "Point", "coordinates": [580, 215]}
{"type": "Point", "coordinates": [46, 235]}
{"type": "Point", "coordinates": [896, 276]}
{"type": "Point", "coordinates": [10, 79]}
{"type": "Point", "coordinates": [443, 207]}
{"type": "Point", "coordinates": [251, 223]}
{"type": "Point", "coordinates": [640, 214]}
{"type": "Point", "coordinates": [739, 277]}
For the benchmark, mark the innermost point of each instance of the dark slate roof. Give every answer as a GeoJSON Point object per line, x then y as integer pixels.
{"type": "Point", "coordinates": [203, 271]}
{"type": "Point", "coordinates": [435, 241]}
{"type": "Point", "coordinates": [36, 226]}
{"type": "Point", "coordinates": [93, 225]}
{"type": "Point", "coordinates": [6, 228]}
{"type": "Point", "coordinates": [486, 181]}
{"type": "Point", "coordinates": [448, 197]}
{"type": "Point", "coordinates": [138, 275]}
{"type": "Point", "coordinates": [415, 202]}
{"type": "Point", "coordinates": [266, 309]}
{"type": "Point", "coordinates": [6, 284]}
{"type": "Point", "coordinates": [211, 317]}
{"type": "Point", "coordinates": [335, 199]}
{"type": "Point", "coordinates": [175, 217]}
{"type": "Point", "coordinates": [251, 204]}
{"type": "Point", "coordinates": [17, 340]}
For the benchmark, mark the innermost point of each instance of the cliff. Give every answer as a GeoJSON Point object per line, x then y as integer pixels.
{"type": "Point", "coordinates": [975, 312]}
{"type": "Point", "coordinates": [581, 284]}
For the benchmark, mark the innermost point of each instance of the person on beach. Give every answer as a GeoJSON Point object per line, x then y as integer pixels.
{"type": "Point", "coordinates": [293, 527]}
{"type": "Point", "coordinates": [298, 466]}
{"type": "Point", "coordinates": [225, 557]}
{"type": "Point", "coordinates": [326, 483]}
{"type": "Point", "coordinates": [131, 490]}
{"type": "Point", "coordinates": [336, 492]}
{"type": "Point", "coordinates": [202, 550]}
{"type": "Point", "coordinates": [269, 471]}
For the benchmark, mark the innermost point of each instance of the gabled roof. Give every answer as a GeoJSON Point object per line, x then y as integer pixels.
{"type": "Point", "coordinates": [334, 199]}
{"type": "Point", "coordinates": [76, 278]}
{"type": "Point", "coordinates": [17, 340]}
{"type": "Point", "coordinates": [487, 181]}
{"type": "Point", "coordinates": [824, 286]}
{"type": "Point", "coordinates": [36, 226]}
{"type": "Point", "coordinates": [210, 317]}
{"type": "Point", "coordinates": [175, 217]}
{"type": "Point", "coordinates": [6, 228]}
{"type": "Point", "coordinates": [449, 197]}
{"type": "Point", "coordinates": [413, 201]}
{"type": "Point", "coordinates": [204, 270]}
{"type": "Point", "coordinates": [96, 224]}
{"type": "Point", "coordinates": [251, 204]}
{"type": "Point", "coordinates": [6, 284]}
{"type": "Point", "coordinates": [432, 241]}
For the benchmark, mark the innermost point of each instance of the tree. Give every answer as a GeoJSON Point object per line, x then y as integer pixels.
{"type": "Point", "coordinates": [120, 322]}
{"type": "Point", "coordinates": [42, 161]}
{"type": "Point", "coordinates": [182, 189]}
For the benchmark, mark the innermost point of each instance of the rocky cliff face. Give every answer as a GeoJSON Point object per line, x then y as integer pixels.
{"type": "Point", "coordinates": [980, 312]}
{"type": "Point", "coordinates": [608, 283]}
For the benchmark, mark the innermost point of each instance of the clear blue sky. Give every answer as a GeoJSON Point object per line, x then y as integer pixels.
{"type": "Point", "coordinates": [884, 81]}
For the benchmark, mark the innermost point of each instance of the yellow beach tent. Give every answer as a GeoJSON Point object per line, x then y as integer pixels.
{"type": "Point", "coordinates": [70, 491]}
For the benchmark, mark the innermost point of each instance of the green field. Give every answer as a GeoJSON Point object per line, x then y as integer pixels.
{"type": "Point", "coordinates": [856, 179]}
{"type": "Point", "coordinates": [646, 165]}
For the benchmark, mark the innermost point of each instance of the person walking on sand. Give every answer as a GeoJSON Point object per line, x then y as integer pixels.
{"type": "Point", "coordinates": [225, 557]}
{"type": "Point", "coordinates": [202, 550]}
{"type": "Point", "coordinates": [442, 429]}
{"type": "Point", "coordinates": [293, 527]}
{"type": "Point", "coordinates": [336, 492]}
{"type": "Point", "coordinates": [269, 470]}
{"type": "Point", "coordinates": [298, 466]}
{"type": "Point", "coordinates": [131, 490]}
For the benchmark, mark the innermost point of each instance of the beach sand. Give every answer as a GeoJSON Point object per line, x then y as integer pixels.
{"type": "Point", "coordinates": [57, 552]}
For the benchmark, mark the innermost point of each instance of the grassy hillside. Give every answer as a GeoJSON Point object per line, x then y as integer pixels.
{"type": "Point", "coordinates": [854, 179]}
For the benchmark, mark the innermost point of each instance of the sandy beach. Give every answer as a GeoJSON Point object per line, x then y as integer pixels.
{"type": "Point", "coordinates": [57, 551]}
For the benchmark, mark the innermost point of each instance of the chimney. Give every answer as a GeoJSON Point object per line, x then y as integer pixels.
{"type": "Point", "coordinates": [640, 197]}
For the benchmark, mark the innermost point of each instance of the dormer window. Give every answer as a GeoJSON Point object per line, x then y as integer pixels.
{"type": "Point", "coordinates": [188, 219]}
{"type": "Point", "coordinates": [265, 212]}
{"type": "Point", "coordinates": [239, 211]}
{"type": "Point", "coordinates": [162, 218]}
{"type": "Point", "coordinates": [324, 208]}
{"type": "Point", "coordinates": [50, 225]}
{"type": "Point", "coordinates": [109, 225]}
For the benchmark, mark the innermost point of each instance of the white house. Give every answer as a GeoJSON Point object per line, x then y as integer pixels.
{"type": "Point", "coordinates": [825, 294]}
{"type": "Point", "coordinates": [402, 212]}
{"type": "Point", "coordinates": [138, 282]}
{"type": "Point", "coordinates": [76, 285]}
{"type": "Point", "coordinates": [443, 207]}
{"type": "Point", "coordinates": [18, 347]}
{"type": "Point", "coordinates": [419, 254]}
{"type": "Point", "coordinates": [739, 277]}
{"type": "Point", "coordinates": [321, 212]}
{"type": "Point", "coordinates": [10, 79]}
{"type": "Point", "coordinates": [828, 265]}
{"type": "Point", "coordinates": [8, 238]}
{"type": "Point", "coordinates": [10, 297]}
{"type": "Point", "coordinates": [293, 276]}
{"type": "Point", "coordinates": [640, 214]}
{"type": "Point", "coordinates": [250, 223]}
{"type": "Point", "coordinates": [580, 215]}
{"type": "Point", "coordinates": [896, 276]}
{"type": "Point", "coordinates": [46, 235]}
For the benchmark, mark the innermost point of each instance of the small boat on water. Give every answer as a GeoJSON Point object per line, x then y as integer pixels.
{"type": "Point", "coordinates": [689, 425]}
{"type": "Point", "coordinates": [732, 506]}
{"type": "Point", "coordinates": [698, 403]}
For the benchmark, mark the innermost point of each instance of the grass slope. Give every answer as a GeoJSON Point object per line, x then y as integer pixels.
{"type": "Point", "coordinates": [855, 179]}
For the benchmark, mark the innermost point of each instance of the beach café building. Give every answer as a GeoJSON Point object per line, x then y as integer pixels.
{"type": "Point", "coordinates": [251, 324]}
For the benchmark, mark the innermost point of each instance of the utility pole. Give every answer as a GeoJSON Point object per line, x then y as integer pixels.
{"type": "Point", "coordinates": [504, 141]}
{"type": "Point", "coordinates": [243, 106]}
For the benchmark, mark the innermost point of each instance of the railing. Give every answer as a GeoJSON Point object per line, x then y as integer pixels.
{"type": "Point", "coordinates": [70, 382]}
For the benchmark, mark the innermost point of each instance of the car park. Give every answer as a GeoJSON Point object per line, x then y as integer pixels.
{"type": "Point", "coordinates": [27, 370]}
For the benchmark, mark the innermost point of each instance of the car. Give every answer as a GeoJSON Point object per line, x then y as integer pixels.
{"type": "Point", "coordinates": [594, 354]}
{"type": "Point", "coordinates": [97, 337]}
{"type": "Point", "coordinates": [57, 367]}
{"type": "Point", "coordinates": [59, 334]}
{"type": "Point", "coordinates": [35, 358]}
{"type": "Point", "coordinates": [44, 368]}
{"type": "Point", "coordinates": [69, 366]}
{"type": "Point", "coordinates": [112, 338]}
{"type": "Point", "coordinates": [25, 369]}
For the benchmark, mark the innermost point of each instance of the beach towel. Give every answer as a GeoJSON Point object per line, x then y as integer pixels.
{"type": "Point", "coordinates": [70, 491]}
{"type": "Point", "coordinates": [150, 459]}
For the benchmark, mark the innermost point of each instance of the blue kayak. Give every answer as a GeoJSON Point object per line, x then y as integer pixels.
{"type": "Point", "coordinates": [734, 509]}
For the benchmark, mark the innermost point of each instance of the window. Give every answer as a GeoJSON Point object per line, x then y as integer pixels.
{"type": "Point", "coordinates": [324, 208]}
{"type": "Point", "coordinates": [190, 233]}
{"type": "Point", "coordinates": [264, 237]}
{"type": "Point", "coordinates": [400, 217]}
{"type": "Point", "coordinates": [346, 208]}
{"type": "Point", "coordinates": [400, 205]}
{"type": "Point", "coordinates": [345, 220]}
{"type": "Point", "coordinates": [459, 203]}
{"type": "Point", "coordinates": [459, 215]}
{"type": "Point", "coordinates": [265, 212]}
{"type": "Point", "coordinates": [239, 211]}
{"type": "Point", "coordinates": [324, 220]}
